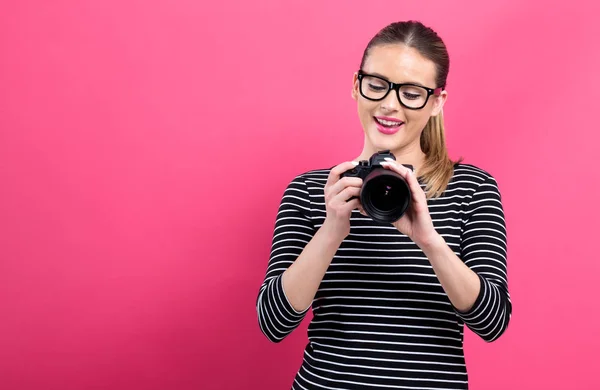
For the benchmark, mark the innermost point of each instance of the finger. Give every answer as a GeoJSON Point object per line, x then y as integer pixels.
{"type": "Point", "coordinates": [415, 187]}
{"type": "Point", "coordinates": [347, 193]}
{"type": "Point", "coordinates": [351, 205]}
{"type": "Point", "coordinates": [361, 210]}
{"type": "Point", "coordinates": [336, 172]}
{"type": "Point", "coordinates": [343, 183]}
{"type": "Point", "coordinates": [396, 167]}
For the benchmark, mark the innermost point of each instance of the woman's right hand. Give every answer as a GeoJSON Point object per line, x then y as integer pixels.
{"type": "Point", "coordinates": [338, 192]}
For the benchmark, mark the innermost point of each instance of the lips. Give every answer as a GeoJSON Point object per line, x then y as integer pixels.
{"type": "Point", "coordinates": [388, 125]}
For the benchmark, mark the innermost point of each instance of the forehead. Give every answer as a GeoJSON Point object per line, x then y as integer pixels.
{"type": "Point", "coordinates": [401, 64]}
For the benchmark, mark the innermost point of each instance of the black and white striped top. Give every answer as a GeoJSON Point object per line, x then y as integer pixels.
{"type": "Point", "coordinates": [381, 317]}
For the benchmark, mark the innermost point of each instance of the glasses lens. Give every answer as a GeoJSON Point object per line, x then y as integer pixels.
{"type": "Point", "coordinates": [412, 96]}
{"type": "Point", "coordinates": [374, 88]}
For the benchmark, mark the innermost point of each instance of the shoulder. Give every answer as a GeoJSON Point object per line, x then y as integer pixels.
{"type": "Point", "coordinates": [315, 175]}
{"type": "Point", "coordinates": [303, 186]}
{"type": "Point", "coordinates": [473, 172]}
{"type": "Point", "coordinates": [311, 178]}
{"type": "Point", "coordinates": [472, 177]}
{"type": "Point", "coordinates": [476, 183]}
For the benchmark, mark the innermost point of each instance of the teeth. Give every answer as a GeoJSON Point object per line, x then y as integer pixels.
{"type": "Point", "coordinates": [388, 123]}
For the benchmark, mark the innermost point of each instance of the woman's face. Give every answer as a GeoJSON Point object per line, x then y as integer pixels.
{"type": "Point", "coordinates": [401, 128]}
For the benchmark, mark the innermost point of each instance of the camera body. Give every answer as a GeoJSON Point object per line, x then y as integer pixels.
{"type": "Point", "coordinates": [385, 196]}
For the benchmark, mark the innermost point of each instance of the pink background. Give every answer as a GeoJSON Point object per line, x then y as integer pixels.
{"type": "Point", "coordinates": [145, 145]}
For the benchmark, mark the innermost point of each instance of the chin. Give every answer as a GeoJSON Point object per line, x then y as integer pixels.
{"type": "Point", "coordinates": [385, 142]}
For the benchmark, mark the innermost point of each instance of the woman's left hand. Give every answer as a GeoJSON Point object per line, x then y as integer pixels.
{"type": "Point", "coordinates": [416, 222]}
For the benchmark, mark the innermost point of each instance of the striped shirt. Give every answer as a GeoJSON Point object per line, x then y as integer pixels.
{"type": "Point", "coordinates": [381, 317]}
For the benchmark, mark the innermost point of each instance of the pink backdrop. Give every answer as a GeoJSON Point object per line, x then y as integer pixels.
{"type": "Point", "coordinates": [145, 146]}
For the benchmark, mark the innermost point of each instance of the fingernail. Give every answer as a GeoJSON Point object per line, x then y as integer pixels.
{"type": "Point", "coordinates": [390, 159]}
{"type": "Point", "coordinates": [355, 162]}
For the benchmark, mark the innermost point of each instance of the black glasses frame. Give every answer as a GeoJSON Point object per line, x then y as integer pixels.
{"type": "Point", "coordinates": [396, 87]}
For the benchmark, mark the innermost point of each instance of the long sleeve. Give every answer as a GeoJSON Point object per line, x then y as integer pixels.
{"type": "Point", "coordinates": [293, 230]}
{"type": "Point", "coordinates": [484, 250]}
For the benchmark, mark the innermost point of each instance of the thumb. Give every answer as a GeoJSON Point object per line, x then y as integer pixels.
{"type": "Point", "coordinates": [362, 211]}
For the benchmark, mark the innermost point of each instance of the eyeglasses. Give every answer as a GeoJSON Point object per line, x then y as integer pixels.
{"type": "Point", "coordinates": [411, 96]}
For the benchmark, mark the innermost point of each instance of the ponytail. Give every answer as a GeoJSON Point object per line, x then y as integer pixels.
{"type": "Point", "coordinates": [438, 168]}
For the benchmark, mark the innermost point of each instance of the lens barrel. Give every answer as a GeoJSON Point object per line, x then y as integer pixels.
{"type": "Point", "coordinates": [385, 195]}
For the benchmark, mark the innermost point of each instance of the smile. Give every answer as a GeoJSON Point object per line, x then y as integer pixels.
{"type": "Point", "coordinates": [388, 122]}
{"type": "Point", "coordinates": [388, 125]}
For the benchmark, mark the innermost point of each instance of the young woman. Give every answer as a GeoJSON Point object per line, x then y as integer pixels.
{"type": "Point", "coordinates": [390, 300]}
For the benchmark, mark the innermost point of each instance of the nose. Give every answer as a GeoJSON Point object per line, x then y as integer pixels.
{"type": "Point", "coordinates": [390, 103]}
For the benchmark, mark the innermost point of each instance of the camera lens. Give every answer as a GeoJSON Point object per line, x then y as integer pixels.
{"type": "Point", "coordinates": [385, 195]}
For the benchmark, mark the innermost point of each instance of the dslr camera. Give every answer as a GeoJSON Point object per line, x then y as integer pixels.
{"type": "Point", "coordinates": [384, 195]}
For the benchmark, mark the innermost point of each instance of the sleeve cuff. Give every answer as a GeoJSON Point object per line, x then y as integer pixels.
{"type": "Point", "coordinates": [478, 305]}
{"type": "Point", "coordinates": [285, 301]}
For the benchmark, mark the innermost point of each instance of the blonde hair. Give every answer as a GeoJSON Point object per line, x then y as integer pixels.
{"type": "Point", "coordinates": [438, 168]}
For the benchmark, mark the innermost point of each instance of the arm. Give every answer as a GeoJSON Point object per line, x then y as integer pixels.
{"type": "Point", "coordinates": [477, 284]}
{"type": "Point", "coordinates": [277, 317]}
{"type": "Point", "coordinates": [300, 255]}
{"type": "Point", "coordinates": [303, 278]}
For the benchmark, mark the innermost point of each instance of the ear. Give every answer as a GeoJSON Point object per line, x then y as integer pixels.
{"type": "Point", "coordinates": [438, 103]}
{"type": "Point", "coordinates": [355, 86]}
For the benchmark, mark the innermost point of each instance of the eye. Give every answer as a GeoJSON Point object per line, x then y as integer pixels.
{"type": "Point", "coordinates": [377, 87]}
{"type": "Point", "coordinates": [411, 92]}
{"type": "Point", "coordinates": [411, 96]}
